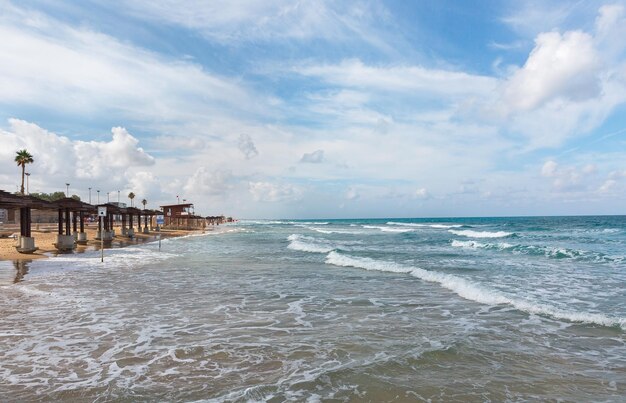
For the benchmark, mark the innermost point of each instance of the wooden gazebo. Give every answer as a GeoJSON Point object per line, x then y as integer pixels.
{"type": "Point", "coordinates": [26, 243]}
{"type": "Point", "coordinates": [70, 212]}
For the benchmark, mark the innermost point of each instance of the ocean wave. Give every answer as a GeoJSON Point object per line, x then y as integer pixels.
{"type": "Point", "coordinates": [472, 291]}
{"type": "Point", "coordinates": [335, 231]}
{"type": "Point", "coordinates": [480, 234]}
{"type": "Point", "coordinates": [306, 244]}
{"type": "Point", "coordinates": [388, 229]}
{"type": "Point", "coordinates": [547, 251]}
{"type": "Point", "coordinates": [436, 226]}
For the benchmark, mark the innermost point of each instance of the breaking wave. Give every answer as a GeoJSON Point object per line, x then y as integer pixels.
{"type": "Point", "coordinates": [389, 229]}
{"type": "Point", "coordinates": [472, 291]}
{"type": "Point", "coordinates": [533, 250]}
{"type": "Point", "coordinates": [437, 226]}
{"type": "Point", "coordinates": [481, 234]}
{"type": "Point", "coordinates": [307, 244]}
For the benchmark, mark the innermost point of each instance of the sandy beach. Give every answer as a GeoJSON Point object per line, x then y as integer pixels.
{"type": "Point", "coordinates": [45, 239]}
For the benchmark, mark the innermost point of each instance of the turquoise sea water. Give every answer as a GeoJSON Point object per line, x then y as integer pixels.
{"type": "Point", "coordinates": [456, 309]}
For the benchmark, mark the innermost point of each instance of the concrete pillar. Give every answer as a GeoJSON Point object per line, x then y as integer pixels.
{"type": "Point", "coordinates": [26, 244]}
{"type": "Point", "coordinates": [81, 238]}
{"type": "Point", "coordinates": [64, 242]}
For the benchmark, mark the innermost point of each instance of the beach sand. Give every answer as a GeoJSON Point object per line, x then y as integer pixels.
{"type": "Point", "coordinates": [45, 240]}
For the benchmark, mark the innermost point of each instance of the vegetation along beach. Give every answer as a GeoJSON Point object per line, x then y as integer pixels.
{"type": "Point", "coordinates": [312, 201]}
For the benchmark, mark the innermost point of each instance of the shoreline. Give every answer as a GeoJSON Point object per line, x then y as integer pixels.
{"type": "Point", "coordinates": [45, 240]}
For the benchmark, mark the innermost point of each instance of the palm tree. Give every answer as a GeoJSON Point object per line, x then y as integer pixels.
{"type": "Point", "coordinates": [144, 202]}
{"type": "Point", "coordinates": [131, 196]}
{"type": "Point", "coordinates": [22, 158]}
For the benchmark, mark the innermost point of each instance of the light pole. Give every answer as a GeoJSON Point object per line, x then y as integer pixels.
{"type": "Point", "coordinates": [118, 197]}
{"type": "Point", "coordinates": [108, 197]}
{"type": "Point", "coordinates": [98, 196]}
{"type": "Point", "coordinates": [67, 190]}
{"type": "Point", "coordinates": [177, 200]}
{"type": "Point", "coordinates": [89, 195]}
{"type": "Point", "coordinates": [27, 176]}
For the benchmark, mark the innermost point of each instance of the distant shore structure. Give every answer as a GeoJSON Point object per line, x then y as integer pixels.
{"type": "Point", "coordinates": [71, 215]}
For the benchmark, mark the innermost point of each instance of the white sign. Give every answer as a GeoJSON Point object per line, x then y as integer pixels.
{"type": "Point", "coordinates": [102, 211]}
{"type": "Point", "coordinates": [160, 220]}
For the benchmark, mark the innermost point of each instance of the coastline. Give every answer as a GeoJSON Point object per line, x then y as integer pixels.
{"type": "Point", "coordinates": [45, 239]}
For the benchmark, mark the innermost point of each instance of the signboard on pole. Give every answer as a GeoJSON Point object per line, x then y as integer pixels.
{"type": "Point", "coordinates": [160, 220]}
{"type": "Point", "coordinates": [102, 211]}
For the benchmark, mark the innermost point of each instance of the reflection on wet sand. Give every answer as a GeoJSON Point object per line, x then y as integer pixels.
{"type": "Point", "coordinates": [12, 272]}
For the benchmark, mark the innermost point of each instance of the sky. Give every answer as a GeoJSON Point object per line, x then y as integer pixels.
{"type": "Point", "coordinates": [320, 109]}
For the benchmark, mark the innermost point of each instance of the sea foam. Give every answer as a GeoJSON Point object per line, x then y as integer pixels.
{"type": "Point", "coordinates": [436, 226]}
{"type": "Point", "coordinates": [472, 291]}
{"type": "Point", "coordinates": [307, 244]}
{"type": "Point", "coordinates": [480, 234]}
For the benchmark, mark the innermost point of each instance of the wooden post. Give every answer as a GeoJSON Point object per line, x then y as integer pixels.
{"type": "Point", "coordinates": [60, 221]}
{"type": "Point", "coordinates": [82, 222]}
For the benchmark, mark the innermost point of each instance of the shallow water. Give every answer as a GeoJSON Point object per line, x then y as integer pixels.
{"type": "Point", "coordinates": [345, 310]}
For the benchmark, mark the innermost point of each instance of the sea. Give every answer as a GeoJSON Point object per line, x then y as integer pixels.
{"type": "Point", "coordinates": [384, 310]}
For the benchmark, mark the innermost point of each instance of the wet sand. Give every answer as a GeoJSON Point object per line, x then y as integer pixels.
{"type": "Point", "coordinates": [45, 240]}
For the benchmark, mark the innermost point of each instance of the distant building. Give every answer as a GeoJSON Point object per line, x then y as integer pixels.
{"type": "Point", "coordinates": [177, 210]}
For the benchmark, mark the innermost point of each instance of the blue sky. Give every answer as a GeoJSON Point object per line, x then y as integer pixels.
{"type": "Point", "coordinates": [294, 109]}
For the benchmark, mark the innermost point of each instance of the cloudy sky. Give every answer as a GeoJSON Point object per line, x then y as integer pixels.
{"type": "Point", "coordinates": [320, 109]}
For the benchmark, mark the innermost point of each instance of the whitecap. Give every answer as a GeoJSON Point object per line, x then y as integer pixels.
{"type": "Point", "coordinates": [306, 244]}
{"type": "Point", "coordinates": [472, 291]}
{"type": "Point", "coordinates": [388, 229]}
{"type": "Point", "coordinates": [480, 234]}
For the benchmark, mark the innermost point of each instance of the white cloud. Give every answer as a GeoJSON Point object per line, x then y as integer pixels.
{"type": "Point", "coordinates": [568, 178]}
{"type": "Point", "coordinates": [316, 157]}
{"type": "Point", "coordinates": [210, 183]}
{"type": "Point", "coordinates": [96, 73]}
{"type": "Point", "coordinates": [564, 66]}
{"type": "Point", "coordinates": [352, 193]}
{"type": "Point", "coordinates": [59, 159]}
{"type": "Point", "coordinates": [247, 147]}
{"type": "Point", "coordinates": [549, 168]}
{"type": "Point", "coordinates": [274, 192]}
{"type": "Point", "coordinates": [422, 193]}
{"type": "Point", "coordinates": [253, 21]}
{"type": "Point", "coordinates": [353, 73]}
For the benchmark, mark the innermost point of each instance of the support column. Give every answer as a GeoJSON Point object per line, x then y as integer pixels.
{"type": "Point", "coordinates": [65, 241]}
{"type": "Point", "coordinates": [26, 243]}
{"type": "Point", "coordinates": [75, 225]}
{"type": "Point", "coordinates": [82, 237]}
{"type": "Point", "coordinates": [60, 228]}
{"type": "Point", "coordinates": [131, 230]}
{"type": "Point", "coordinates": [124, 231]}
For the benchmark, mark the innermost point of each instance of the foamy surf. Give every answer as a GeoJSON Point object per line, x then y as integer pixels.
{"type": "Point", "coordinates": [472, 291]}
{"type": "Point", "coordinates": [388, 229]}
{"type": "Point", "coordinates": [306, 244]}
{"type": "Point", "coordinates": [534, 250]}
{"type": "Point", "coordinates": [419, 225]}
{"type": "Point", "coordinates": [480, 234]}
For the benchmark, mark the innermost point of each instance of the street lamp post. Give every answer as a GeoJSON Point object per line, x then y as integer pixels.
{"type": "Point", "coordinates": [108, 197]}
{"type": "Point", "coordinates": [118, 197]}
{"type": "Point", "coordinates": [98, 196]}
{"type": "Point", "coordinates": [89, 195]}
{"type": "Point", "coordinates": [67, 190]}
{"type": "Point", "coordinates": [27, 177]}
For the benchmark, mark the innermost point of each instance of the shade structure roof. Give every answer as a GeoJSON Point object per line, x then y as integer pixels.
{"type": "Point", "coordinates": [9, 200]}
{"type": "Point", "coordinates": [133, 210]}
{"type": "Point", "coordinates": [74, 205]}
{"type": "Point", "coordinates": [151, 212]}
{"type": "Point", "coordinates": [113, 208]}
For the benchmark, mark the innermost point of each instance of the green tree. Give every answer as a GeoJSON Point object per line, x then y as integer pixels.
{"type": "Point", "coordinates": [51, 196]}
{"type": "Point", "coordinates": [144, 202]}
{"type": "Point", "coordinates": [131, 196]}
{"type": "Point", "coordinates": [22, 158]}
